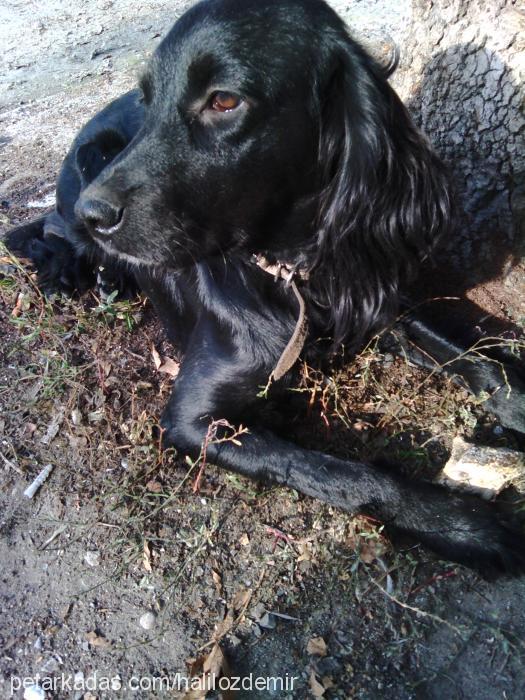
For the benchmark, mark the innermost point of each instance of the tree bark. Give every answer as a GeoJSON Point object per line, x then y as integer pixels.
{"type": "Point", "coordinates": [462, 76]}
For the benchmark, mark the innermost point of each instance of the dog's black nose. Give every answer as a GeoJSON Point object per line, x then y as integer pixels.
{"type": "Point", "coordinates": [99, 215]}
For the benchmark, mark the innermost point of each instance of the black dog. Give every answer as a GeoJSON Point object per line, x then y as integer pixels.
{"type": "Point", "coordinates": [264, 139]}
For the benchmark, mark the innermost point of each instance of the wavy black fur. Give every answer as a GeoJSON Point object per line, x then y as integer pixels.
{"type": "Point", "coordinates": [384, 200]}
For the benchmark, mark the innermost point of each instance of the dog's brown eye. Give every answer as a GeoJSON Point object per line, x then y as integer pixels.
{"type": "Point", "coordinates": [225, 101]}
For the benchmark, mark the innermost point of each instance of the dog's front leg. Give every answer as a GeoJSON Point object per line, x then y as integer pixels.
{"type": "Point", "coordinates": [217, 382]}
{"type": "Point", "coordinates": [485, 367]}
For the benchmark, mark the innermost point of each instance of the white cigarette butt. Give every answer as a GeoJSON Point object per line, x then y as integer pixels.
{"type": "Point", "coordinates": [37, 483]}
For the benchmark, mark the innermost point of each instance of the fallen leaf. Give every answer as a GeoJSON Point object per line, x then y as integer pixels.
{"type": "Point", "coordinates": [97, 640]}
{"type": "Point", "coordinates": [170, 367]}
{"type": "Point", "coordinates": [217, 581]}
{"type": "Point", "coordinates": [210, 669]}
{"type": "Point", "coordinates": [76, 417]}
{"type": "Point", "coordinates": [317, 647]}
{"type": "Point", "coordinates": [239, 604]}
{"type": "Point", "coordinates": [224, 627]}
{"type": "Point", "coordinates": [146, 557]}
{"type": "Point", "coordinates": [143, 386]}
{"type": "Point", "coordinates": [22, 304]}
{"type": "Point", "coordinates": [156, 357]}
{"type": "Point", "coordinates": [154, 486]}
{"type": "Point", "coordinates": [370, 551]}
{"type": "Point", "coordinates": [106, 368]}
{"type": "Point", "coordinates": [214, 661]}
{"type": "Point", "coordinates": [305, 549]}
{"type": "Point", "coordinates": [241, 599]}
{"type": "Point", "coordinates": [164, 364]}
{"type": "Point", "coordinates": [327, 682]}
{"type": "Point", "coordinates": [317, 689]}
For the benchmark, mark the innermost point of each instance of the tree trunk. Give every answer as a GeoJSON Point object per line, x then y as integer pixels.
{"type": "Point", "coordinates": [461, 74]}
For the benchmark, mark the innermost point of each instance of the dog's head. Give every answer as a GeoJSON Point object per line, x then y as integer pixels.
{"type": "Point", "coordinates": [268, 129]}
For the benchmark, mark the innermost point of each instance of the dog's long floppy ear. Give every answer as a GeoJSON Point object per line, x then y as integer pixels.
{"type": "Point", "coordinates": [384, 198]}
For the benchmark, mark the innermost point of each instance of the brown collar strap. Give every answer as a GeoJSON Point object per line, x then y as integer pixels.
{"type": "Point", "coordinates": [290, 354]}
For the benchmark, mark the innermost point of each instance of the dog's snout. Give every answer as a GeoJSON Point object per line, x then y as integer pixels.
{"type": "Point", "coordinates": [99, 215]}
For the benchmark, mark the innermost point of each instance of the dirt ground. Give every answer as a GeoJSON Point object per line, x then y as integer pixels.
{"type": "Point", "coordinates": [126, 567]}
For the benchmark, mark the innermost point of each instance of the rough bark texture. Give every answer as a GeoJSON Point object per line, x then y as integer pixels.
{"type": "Point", "coordinates": [462, 73]}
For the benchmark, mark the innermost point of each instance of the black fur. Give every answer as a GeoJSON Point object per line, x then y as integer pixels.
{"type": "Point", "coordinates": [318, 165]}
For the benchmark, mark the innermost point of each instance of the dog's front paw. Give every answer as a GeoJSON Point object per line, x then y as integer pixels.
{"type": "Point", "coordinates": [508, 403]}
{"type": "Point", "coordinates": [472, 532]}
{"type": "Point", "coordinates": [168, 438]}
{"type": "Point", "coordinates": [169, 434]}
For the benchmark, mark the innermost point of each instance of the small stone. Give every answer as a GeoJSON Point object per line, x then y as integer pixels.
{"type": "Point", "coordinates": [96, 416]}
{"type": "Point", "coordinates": [92, 558]}
{"type": "Point", "coordinates": [388, 360]}
{"type": "Point", "coordinates": [258, 611]}
{"type": "Point", "coordinates": [148, 620]}
{"type": "Point", "coordinates": [34, 692]}
{"type": "Point", "coordinates": [267, 622]}
{"type": "Point", "coordinates": [50, 667]}
{"type": "Point", "coordinates": [485, 471]}
{"type": "Point", "coordinates": [76, 417]}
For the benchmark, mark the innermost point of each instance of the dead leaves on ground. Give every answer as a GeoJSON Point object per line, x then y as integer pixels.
{"type": "Point", "coordinates": [210, 669]}
{"type": "Point", "coordinates": [371, 550]}
{"type": "Point", "coordinates": [22, 304]}
{"type": "Point", "coordinates": [217, 580]}
{"type": "Point", "coordinates": [167, 365]}
{"type": "Point", "coordinates": [207, 670]}
{"type": "Point", "coordinates": [240, 602]}
{"type": "Point", "coordinates": [318, 687]}
{"type": "Point", "coordinates": [317, 647]}
{"type": "Point", "coordinates": [244, 541]}
{"type": "Point", "coordinates": [146, 557]}
{"type": "Point", "coordinates": [97, 640]}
